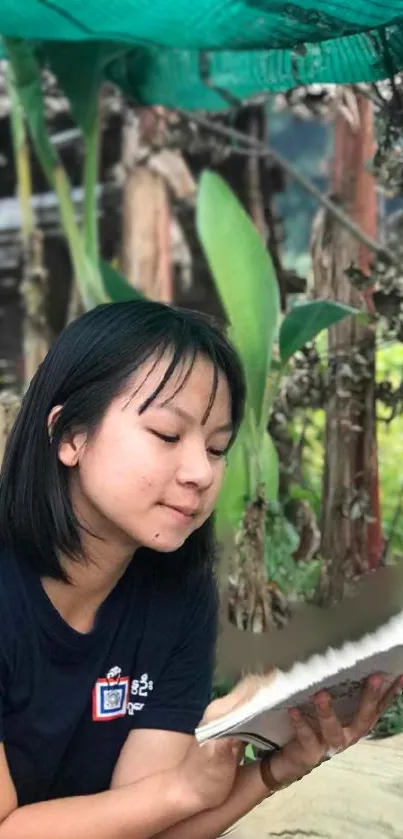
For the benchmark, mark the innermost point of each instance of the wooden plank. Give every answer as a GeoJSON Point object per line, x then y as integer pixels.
{"type": "Point", "coordinates": [356, 795]}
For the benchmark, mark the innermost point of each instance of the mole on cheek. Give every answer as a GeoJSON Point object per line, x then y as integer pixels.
{"type": "Point", "coordinates": [157, 536]}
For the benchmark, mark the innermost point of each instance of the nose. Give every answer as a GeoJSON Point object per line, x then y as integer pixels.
{"type": "Point", "coordinates": [196, 468]}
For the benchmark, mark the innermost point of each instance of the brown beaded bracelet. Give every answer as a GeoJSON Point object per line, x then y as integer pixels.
{"type": "Point", "coordinates": [268, 777]}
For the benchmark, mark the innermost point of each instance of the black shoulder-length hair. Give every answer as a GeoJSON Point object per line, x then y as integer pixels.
{"type": "Point", "coordinates": [88, 366]}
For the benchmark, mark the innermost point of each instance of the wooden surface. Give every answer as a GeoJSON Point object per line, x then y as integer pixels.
{"type": "Point", "coordinates": [356, 795]}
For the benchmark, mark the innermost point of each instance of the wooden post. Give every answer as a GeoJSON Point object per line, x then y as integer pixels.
{"type": "Point", "coordinates": [34, 295]}
{"type": "Point", "coordinates": [146, 213]}
{"type": "Point", "coordinates": [351, 530]}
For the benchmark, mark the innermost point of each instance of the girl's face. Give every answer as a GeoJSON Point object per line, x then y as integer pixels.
{"type": "Point", "coordinates": [151, 479]}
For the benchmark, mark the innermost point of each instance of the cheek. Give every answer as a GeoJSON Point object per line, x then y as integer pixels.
{"type": "Point", "coordinates": [122, 470]}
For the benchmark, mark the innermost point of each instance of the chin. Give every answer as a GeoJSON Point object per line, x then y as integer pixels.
{"type": "Point", "coordinates": [167, 539]}
{"type": "Point", "coordinates": [167, 545]}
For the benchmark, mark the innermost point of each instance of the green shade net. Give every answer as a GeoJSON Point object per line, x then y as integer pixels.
{"type": "Point", "coordinates": [184, 53]}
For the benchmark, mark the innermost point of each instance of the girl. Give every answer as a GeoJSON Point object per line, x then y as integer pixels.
{"type": "Point", "coordinates": [108, 605]}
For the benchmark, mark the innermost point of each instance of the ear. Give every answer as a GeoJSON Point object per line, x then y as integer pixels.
{"type": "Point", "coordinates": [52, 419]}
{"type": "Point", "coordinates": [72, 443]}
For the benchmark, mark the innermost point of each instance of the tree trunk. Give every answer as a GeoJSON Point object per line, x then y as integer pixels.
{"type": "Point", "coordinates": [146, 216]}
{"type": "Point", "coordinates": [9, 407]}
{"type": "Point", "coordinates": [351, 535]}
{"type": "Point", "coordinates": [34, 295]}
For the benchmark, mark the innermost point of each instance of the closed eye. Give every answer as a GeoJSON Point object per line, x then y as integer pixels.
{"type": "Point", "coordinates": [167, 438]}
{"type": "Point", "coordinates": [174, 438]}
{"type": "Point", "coordinates": [218, 452]}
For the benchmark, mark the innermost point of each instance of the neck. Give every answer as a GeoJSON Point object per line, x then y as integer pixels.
{"type": "Point", "coordinates": [91, 580]}
{"type": "Point", "coordinates": [96, 571]}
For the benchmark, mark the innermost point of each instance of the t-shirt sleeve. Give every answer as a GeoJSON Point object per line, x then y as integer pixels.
{"type": "Point", "coordinates": [1, 702]}
{"type": "Point", "coordinates": [185, 685]}
{"type": "Point", "coordinates": [9, 634]}
{"type": "Point", "coordinates": [5, 645]}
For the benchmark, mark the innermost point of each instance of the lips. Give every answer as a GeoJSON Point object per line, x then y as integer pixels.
{"type": "Point", "coordinates": [189, 512]}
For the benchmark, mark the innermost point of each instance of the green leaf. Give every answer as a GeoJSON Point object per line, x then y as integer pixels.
{"type": "Point", "coordinates": [306, 320]}
{"type": "Point", "coordinates": [28, 83]}
{"type": "Point", "coordinates": [245, 280]}
{"type": "Point", "coordinates": [116, 285]}
{"type": "Point", "coordinates": [17, 117]}
{"type": "Point", "coordinates": [236, 490]}
{"type": "Point", "coordinates": [88, 274]}
{"type": "Point", "coordinates": [79, 70]}
{"type": "Point", "coordinates": [90, 284]}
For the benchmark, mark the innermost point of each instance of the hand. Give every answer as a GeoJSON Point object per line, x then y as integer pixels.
{"type": "Point", "coordinates": [208, 771]}
{"type": "Point", "coordinates": [308, 748]}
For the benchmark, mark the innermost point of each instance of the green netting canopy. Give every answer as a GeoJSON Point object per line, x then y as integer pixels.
{"type": "Point", "coordinates": [182, 53]}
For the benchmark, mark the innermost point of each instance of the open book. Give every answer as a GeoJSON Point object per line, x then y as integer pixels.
{"type": "Point", "coordinates": [358, 637]}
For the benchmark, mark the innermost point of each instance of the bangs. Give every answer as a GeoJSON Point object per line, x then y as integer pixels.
{"type": "Point", "coordinates": [181, 367]}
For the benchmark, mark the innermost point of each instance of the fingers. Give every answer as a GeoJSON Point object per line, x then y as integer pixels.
{"type": "Point", "coordinates": [368, 712]}
{"type": "Point", "coordinates": [332, 735]}
{"type": "Point", "coordinates": [308, 749]}
{"type": "Point", "coordinates": [394, 691]}
{"type": "Point", "coordinates": [312, 750]}
{"type": "Point", "coordinates": [332, 731]}
{"type": "Point", "coordinates": [373, 703]}
{"type": "Point", "coordinates": [222, 750]}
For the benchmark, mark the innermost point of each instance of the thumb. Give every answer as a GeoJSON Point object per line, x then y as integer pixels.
{"type": "Point", "coordinates": [223, 749]}
{"type": "Point", "coordinates": [244, 690]}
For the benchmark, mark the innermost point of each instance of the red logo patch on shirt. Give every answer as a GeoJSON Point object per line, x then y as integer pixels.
{"type": "Point", "coordinates": [109, 700]}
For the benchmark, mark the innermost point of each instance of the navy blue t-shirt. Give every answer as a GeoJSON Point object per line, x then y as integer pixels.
{"type": "Point", "coordinates": [69, 700]}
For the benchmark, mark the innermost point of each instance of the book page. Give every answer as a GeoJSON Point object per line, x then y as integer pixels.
{"type": "Point", "coordinates": [341, 671]}
{"type": "Point", "coordinates": [345, 688]}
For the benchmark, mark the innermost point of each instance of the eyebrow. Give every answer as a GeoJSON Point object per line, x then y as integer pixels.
{"type": "Point", "coordinates": [227, 427]}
